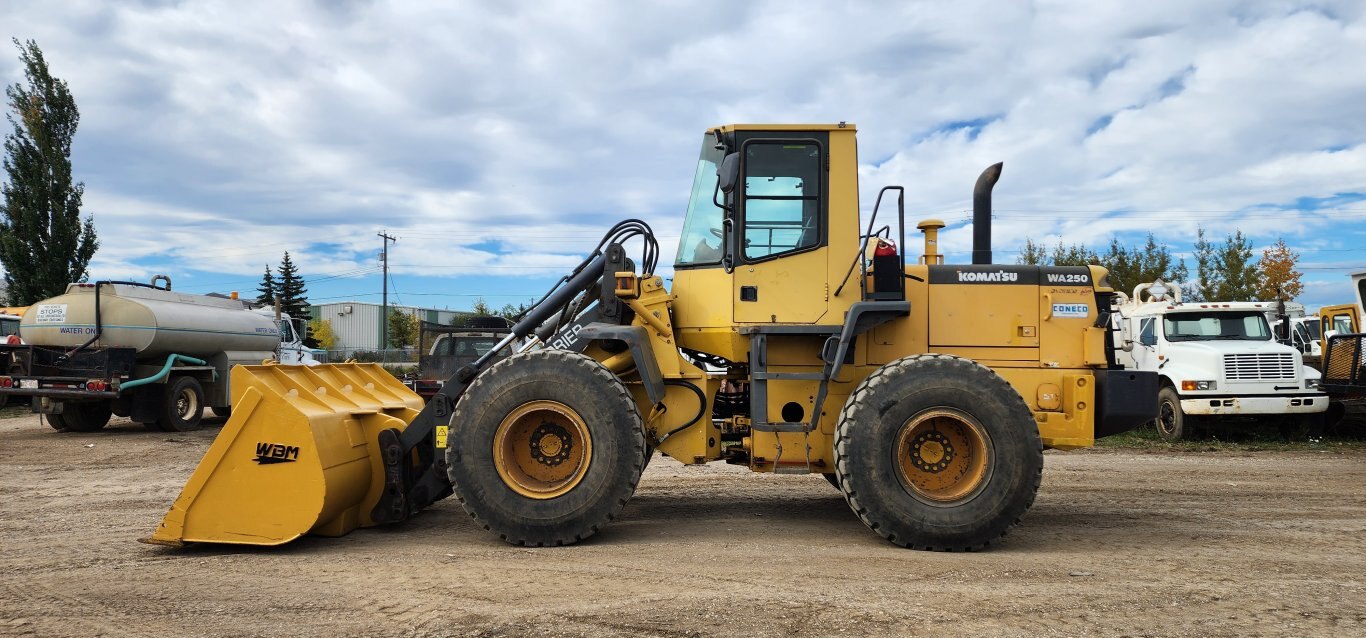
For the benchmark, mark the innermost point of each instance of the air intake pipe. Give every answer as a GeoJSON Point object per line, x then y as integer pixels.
{"type": "Point", "coordinates": [981, 214]}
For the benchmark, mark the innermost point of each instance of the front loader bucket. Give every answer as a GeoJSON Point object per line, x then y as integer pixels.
{"type": "Point", "coordinates": [300, 455]}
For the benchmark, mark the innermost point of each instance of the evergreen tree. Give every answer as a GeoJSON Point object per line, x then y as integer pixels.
{"type": "Point", "coordinates": [290, 286]}
{"type": "Point", "coordinates": [266, 289]}
{"type": "Point", "coordinates": [1130, 267]}
{"type": "Point", "coordinates": [1061, 255]}
{"type": "Point", "coordinates": [1207, 275]}
{"type": "Point", "coordinates": [44, 244]}
{"type": "Point", "coordinates": [1276, 274]}
{"type": "Point", "coordinates": [1073, 255]}
{"type": "Point", "coordinates": [1236, 270]}
{"type": "Point", "coordinates": [1032, 254]}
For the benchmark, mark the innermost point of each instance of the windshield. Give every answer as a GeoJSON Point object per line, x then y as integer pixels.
{"type": "Point", "coordinates": [1214, 326]}
{"type": "Point", "coordinates": [1302, 331]}
{"type": "Point", "coordinates": [1311, 327]}
{"type": "Point", "coordinates": [466, 346]}
{"type": "Point", "coordinates": [701, 239]}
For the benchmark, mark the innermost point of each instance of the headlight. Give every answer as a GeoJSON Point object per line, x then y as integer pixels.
{"type": "Point", "coordinates": [1197, 385]}
{"type": "Point", "coordinates": [1312, 384]}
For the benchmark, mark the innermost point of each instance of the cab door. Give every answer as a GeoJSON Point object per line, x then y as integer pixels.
{"type": "Point", "coordinates": [1341, 319]}
{"type": "Point", "coordinates": [779, 243]}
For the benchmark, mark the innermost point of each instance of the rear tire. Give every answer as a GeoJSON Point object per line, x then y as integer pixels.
{"type": "Point", "coordinates": [55, 421]}
{"type": "Point", "coordinates": [80, 417]}
{"type": "Point", "coordinates": [546, 447]}
{"type": "Point", "coordinates": [86, 417]}
{"type": "Point", "coordinates": [939, 453]}
{"type": "Point", "coordinates": [1171, 423]}
{"type": "Point", "coordinates": [182, 405]}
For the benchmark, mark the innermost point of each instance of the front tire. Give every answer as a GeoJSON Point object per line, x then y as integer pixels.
{"type": "Point", "coordinates": [545, 448]}
{"type": "Point", "coordinates": [939, 453]}
{"type": "Point", "coordinates": [1171, 424]}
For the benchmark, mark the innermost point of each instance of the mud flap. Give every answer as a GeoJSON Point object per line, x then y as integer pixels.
{"type": "Point", "coordinates": [301, 454]}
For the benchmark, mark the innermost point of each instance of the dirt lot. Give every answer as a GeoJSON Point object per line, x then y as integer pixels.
{"type": "Point", "coordinates": [1119, 543]}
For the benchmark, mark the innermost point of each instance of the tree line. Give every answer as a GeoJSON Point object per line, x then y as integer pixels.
{"type": "Point", "coordinates": [1224, 271]}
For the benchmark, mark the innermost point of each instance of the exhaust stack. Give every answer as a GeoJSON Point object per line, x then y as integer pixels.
{"type": "Point", "coordinates": [981, 214]}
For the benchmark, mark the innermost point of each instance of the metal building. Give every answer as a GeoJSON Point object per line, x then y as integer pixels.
{"type": "Point", "coordinates": [356, 324]}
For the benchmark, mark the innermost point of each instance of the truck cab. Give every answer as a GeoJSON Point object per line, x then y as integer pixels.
{"type": "Point", "coordinates": [292, 350]}
{"type": "Point", "coordinates": [1214, 360]}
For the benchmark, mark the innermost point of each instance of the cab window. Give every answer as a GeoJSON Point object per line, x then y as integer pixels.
{"type": "Point", "coordinates": [1146, 335]}
{"type": "Point", "coordinates": [782, 197]}
{"type": "Point", "coordinates": [701, 239]}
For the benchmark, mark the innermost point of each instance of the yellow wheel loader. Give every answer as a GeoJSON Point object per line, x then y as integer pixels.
{"type": "Point", "coordinates": [791, 341]}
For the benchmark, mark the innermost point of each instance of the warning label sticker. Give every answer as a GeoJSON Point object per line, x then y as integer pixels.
{"type": "Point", "coordinates": [51, 313]}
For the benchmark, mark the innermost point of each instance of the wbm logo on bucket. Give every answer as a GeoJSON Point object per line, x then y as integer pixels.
{"type": "Point", "coordinates": [269, 453]}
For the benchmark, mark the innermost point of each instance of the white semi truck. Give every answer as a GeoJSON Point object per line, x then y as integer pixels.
{"type": "Point", "coordinates": [141, 351]}
{"type": "Point", "coordinates": [1214, 360]}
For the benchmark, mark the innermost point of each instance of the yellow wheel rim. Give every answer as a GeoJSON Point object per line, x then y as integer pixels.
{"type": "Point", "coordinates": [943, 456]}
{"type": "Point", "coordinates": [542, 449]}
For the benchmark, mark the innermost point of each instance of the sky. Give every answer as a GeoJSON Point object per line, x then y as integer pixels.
{"type": "Point", "coordinates": [498, 141]}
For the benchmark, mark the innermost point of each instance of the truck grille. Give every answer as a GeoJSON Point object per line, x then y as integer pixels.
{"type": "Point", "coordinates": [1259, 366]}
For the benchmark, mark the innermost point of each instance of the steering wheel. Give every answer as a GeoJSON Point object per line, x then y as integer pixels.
{"type": "Point", "coordinates": [717, 233]}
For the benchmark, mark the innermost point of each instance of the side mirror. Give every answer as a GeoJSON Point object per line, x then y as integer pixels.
{"type": "Point", "coordinates": [728, 173]}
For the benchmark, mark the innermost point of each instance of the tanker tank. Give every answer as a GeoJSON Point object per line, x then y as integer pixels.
{"type": "Point", "coordinates": [154, 321]}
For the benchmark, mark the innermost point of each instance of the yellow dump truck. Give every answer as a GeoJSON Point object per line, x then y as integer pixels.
{"type": "Point", "coordinates": [792, 341]}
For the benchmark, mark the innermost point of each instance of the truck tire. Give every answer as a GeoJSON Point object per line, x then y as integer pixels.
{"type": "Point", "coordinates": [545, 448]}
{"type": "Point", "coordinates": [55, 421]}
{"type": "Point", "coordinates": [1171, 423]}
{"type": "Point", "coordinates": [182, 405]}
{"type": "Point", "coordinates": [86, 417]}
{"type": "Point", "coordinates": [937, 452]}
{"type": "Point", "coordinates": [80, 417]}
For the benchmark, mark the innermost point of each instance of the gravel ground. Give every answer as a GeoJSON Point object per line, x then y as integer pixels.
{"type": "Point", "coordinates": [1213, 543]}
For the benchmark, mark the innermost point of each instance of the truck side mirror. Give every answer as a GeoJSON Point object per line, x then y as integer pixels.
{"type": "Point", "coordinates": [728, 173]}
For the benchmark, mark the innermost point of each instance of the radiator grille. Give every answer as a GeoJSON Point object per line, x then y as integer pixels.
{"type": "Point", "coordinates": [1248, 367]}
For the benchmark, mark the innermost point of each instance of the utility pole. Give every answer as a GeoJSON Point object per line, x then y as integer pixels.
{"type": "Point", "coordinates": [384, 304]}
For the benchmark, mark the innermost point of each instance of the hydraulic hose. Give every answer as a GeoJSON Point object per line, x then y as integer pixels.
{"type": "Point", "coordinates": [165, 370]}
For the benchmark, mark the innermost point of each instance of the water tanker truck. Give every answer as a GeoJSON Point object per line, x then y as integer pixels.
{"type": "Point", "coordinates": [141, 351]}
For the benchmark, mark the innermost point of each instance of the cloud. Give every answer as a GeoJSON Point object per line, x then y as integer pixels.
{"type": "Point", "coordinates": [503, 139]}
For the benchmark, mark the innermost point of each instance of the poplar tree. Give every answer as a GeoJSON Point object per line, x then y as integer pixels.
{"type": "Point", "coordinates": [44, 243]}
{"type": "Point", "coordinates": [1276, 274]}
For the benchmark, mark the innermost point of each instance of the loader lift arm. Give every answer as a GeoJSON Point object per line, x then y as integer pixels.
{"type": "Point", "coordinates": [578, 309]}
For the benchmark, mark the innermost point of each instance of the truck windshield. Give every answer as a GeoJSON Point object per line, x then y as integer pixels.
{"type": "Point", "coordinates": [466, 346]}
{"type": "Point", "coordinates": [1213, 326]}
{"type": "Point", "coordinates": [1311, 329]}
{"type": "Point", "coordinates": [701, 239]}
{"type": "Point", "coordinates": [1302, 333]}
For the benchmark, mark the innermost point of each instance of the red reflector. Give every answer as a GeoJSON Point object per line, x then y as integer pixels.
{"type": "Point", "coordinates": [13, 340]}
{"type": "Point", "coordinates": [6, 382]}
